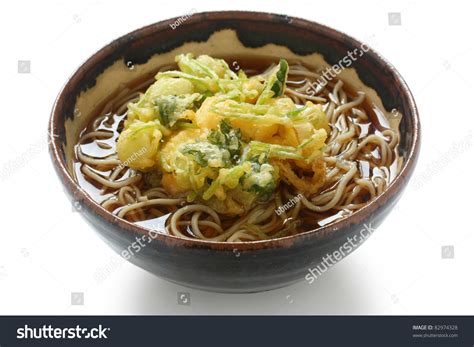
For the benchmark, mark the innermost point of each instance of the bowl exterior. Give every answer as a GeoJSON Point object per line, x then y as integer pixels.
{"type": "Point", "coordinates": [234, 270]}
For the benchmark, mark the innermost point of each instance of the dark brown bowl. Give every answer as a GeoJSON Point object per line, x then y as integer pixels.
{"type": "Point", "coordinates": [220, 266]}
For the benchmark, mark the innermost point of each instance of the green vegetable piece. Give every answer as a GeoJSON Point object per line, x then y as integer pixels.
{"type": "Point", "coordinates": [275, 83]}
{"type": "Point", "coordinates": [170, 107]}
{"type": "Point", "coordinates": [206, 154]}
{"type": "Point", "coordinates": [279, 85]}
{"type": "Point", "coordinates": [257, 148]}
{"type": "Point", "coordinates": [227, 138]}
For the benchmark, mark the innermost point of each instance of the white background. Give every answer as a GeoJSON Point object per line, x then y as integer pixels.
{"type": "Point", "coordinates": [47, 251]}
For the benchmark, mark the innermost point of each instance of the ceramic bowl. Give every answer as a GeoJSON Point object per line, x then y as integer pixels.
{"type": "Point", "coordinates": [219, 266]}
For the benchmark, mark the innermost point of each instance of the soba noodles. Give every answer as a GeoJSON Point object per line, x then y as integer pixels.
{"type": "Point", "coordinates": [210, 153]}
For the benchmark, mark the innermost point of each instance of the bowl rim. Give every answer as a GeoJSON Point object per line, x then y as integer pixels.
{"type": "Point", "coordinates": [81, 195]}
